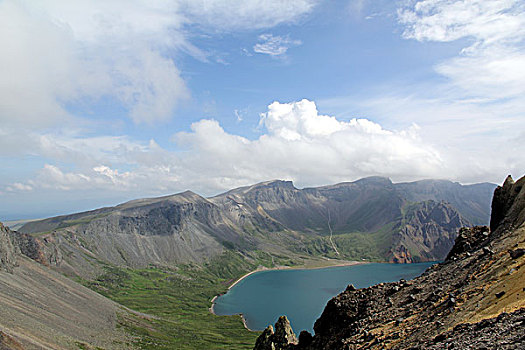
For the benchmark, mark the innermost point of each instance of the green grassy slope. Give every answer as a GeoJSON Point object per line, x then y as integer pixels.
{"type": "Point", "coordinates": [180, 298]}
{"type": "Point", "coordinates": [352, 246]}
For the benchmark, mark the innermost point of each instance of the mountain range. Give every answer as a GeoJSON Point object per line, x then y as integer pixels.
{"type": "Point", "coordinates": [371, 219]}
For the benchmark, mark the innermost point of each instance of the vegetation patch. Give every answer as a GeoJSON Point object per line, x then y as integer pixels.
{"type": "Point", "coordinates": [353, 245]}
{"type": "Point", "coordinates": [178, 299]}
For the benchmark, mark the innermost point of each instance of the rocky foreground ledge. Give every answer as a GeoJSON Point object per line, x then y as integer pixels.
{"type": "Point", "coordinates": [475, 299]}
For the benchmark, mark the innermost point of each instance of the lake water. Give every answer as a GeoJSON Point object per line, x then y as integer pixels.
{"type": "Point", "coordinates": [301, 295]}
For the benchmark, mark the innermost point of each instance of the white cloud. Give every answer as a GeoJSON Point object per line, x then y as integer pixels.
{"type": "Point", "coordinates": [274, 45]}
{"type": "Point", "coordinates": [52, 177]}
{"type": "Point", "coordinates": [309, 148]}
{"type": "Point", "coordinates": [152, 86]}
{"type": "Point", "coordinates": [239, 115]}
{"type": "Point", "coordinates": [100, 177]}
{"type": "Point", "coordinates": [61, 52]}
{"type": "Point", "coordinates": [478, 141]}
{"type": "Point", "coordinates": [299, 144]}
{"type": "Point", "coordinates": [492, 64]}
{"type": "Point", "coordinates": [17, 186]}
{"type": "Point", "coordinates": [97, 163]}
{"type": "Point", "coordinates": [245, 14]}
{"type": "Point", "coordinates": [57, 53]}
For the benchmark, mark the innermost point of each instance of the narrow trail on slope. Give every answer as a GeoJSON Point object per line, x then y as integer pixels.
{"type": "Point", "coordinates": [331, 233]}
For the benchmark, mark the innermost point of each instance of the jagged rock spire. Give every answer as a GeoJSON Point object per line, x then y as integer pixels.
{"type": "Point", "coordinates": [281, 339]}
{"type": "Point", "coordinates": [507, 203]}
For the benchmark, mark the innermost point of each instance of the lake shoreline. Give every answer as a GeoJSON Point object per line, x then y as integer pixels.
{"type": "Point", "coordinates": [338, 263]}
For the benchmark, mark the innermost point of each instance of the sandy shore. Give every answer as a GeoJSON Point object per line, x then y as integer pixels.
{"type": "Point", "coordinates": [330, 263]}
{"type": "Point", "coordinates": [321, 264]}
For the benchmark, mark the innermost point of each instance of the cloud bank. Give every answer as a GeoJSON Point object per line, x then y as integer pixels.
{"type": "Point", "coordinates": [297, 143]}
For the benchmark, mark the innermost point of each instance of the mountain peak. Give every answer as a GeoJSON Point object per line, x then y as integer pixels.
{"type": "Point", "coordinates": [379, 180]}
{"type": "Point", "coordinates": [271, 184]}
{"type": "Point", "coordinates": [508, 203]}
{"type": "Point", "coordinates": [508, 181]}
{"type": "Point", "coordinates": [186, 196]}
{"type": "Point", "coordinates": [276, 183]}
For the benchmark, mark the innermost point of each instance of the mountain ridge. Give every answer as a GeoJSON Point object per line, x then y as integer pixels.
{"type": "Point", "coordinates": [273, 217]}
{"type": "Point", "coordinates": [487, 187]}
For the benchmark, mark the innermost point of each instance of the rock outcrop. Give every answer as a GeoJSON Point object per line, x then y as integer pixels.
{"type": "Point", "coordinates": [281, 339]}
{"type": "Point", "coordinates": [474, 299]}
{"type": "Point", "coordinates": [508, 204]}
{"type": "Point", "coordinates": [502, 332]}
{"type": "Point", "coordinates": [427, 233]}
{"type": "Point", "coordinates": [8, 249]}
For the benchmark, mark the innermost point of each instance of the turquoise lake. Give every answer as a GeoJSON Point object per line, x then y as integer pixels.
{"type": "Point", "coordinates": [301, 295]}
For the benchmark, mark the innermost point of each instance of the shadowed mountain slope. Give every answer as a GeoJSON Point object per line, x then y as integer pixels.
{"type": "Point", "coordinates": [473, 300]}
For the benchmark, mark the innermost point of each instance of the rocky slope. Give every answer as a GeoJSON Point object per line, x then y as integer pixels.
{"type": "Point", "coordinates": [273, 217]}
{"type": "Point", "coordinates": [174, 229]}
{"type": "Point", "coordinates": [470, 200]}
{"type": "Point", "coordinates": [427, 232]}
{"type": "Point", "coordinates": [41, 309]}
{"type": "Point", "coordinates": [474, 299]}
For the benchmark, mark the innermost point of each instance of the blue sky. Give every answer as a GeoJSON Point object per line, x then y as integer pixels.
{"type": "Point", "coordinates": [106, 101]}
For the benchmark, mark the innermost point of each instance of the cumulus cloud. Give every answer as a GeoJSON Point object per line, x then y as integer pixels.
{"type": "Point", "coordinates": [492, 64]}
{"type": "Point", "coordinates": [103, 163]}
{"type": "Point", "coordinates": [274, 45]}
{"type": "Point", "coordinates": [478, 141]}
{"type": "Point", "coordinates": [298, 143]}
{"type": "Point", "coordinates": [304, 145]}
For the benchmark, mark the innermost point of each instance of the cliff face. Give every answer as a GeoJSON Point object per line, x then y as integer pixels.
{"type": "Point", "coordinates": [472, 201]}
{"type": "Point", "coordinates": [475, 299]}
{"type": "Point", "coordinates": [508, 204]}
{"type": "Point", "coordinates": [427, 232]}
